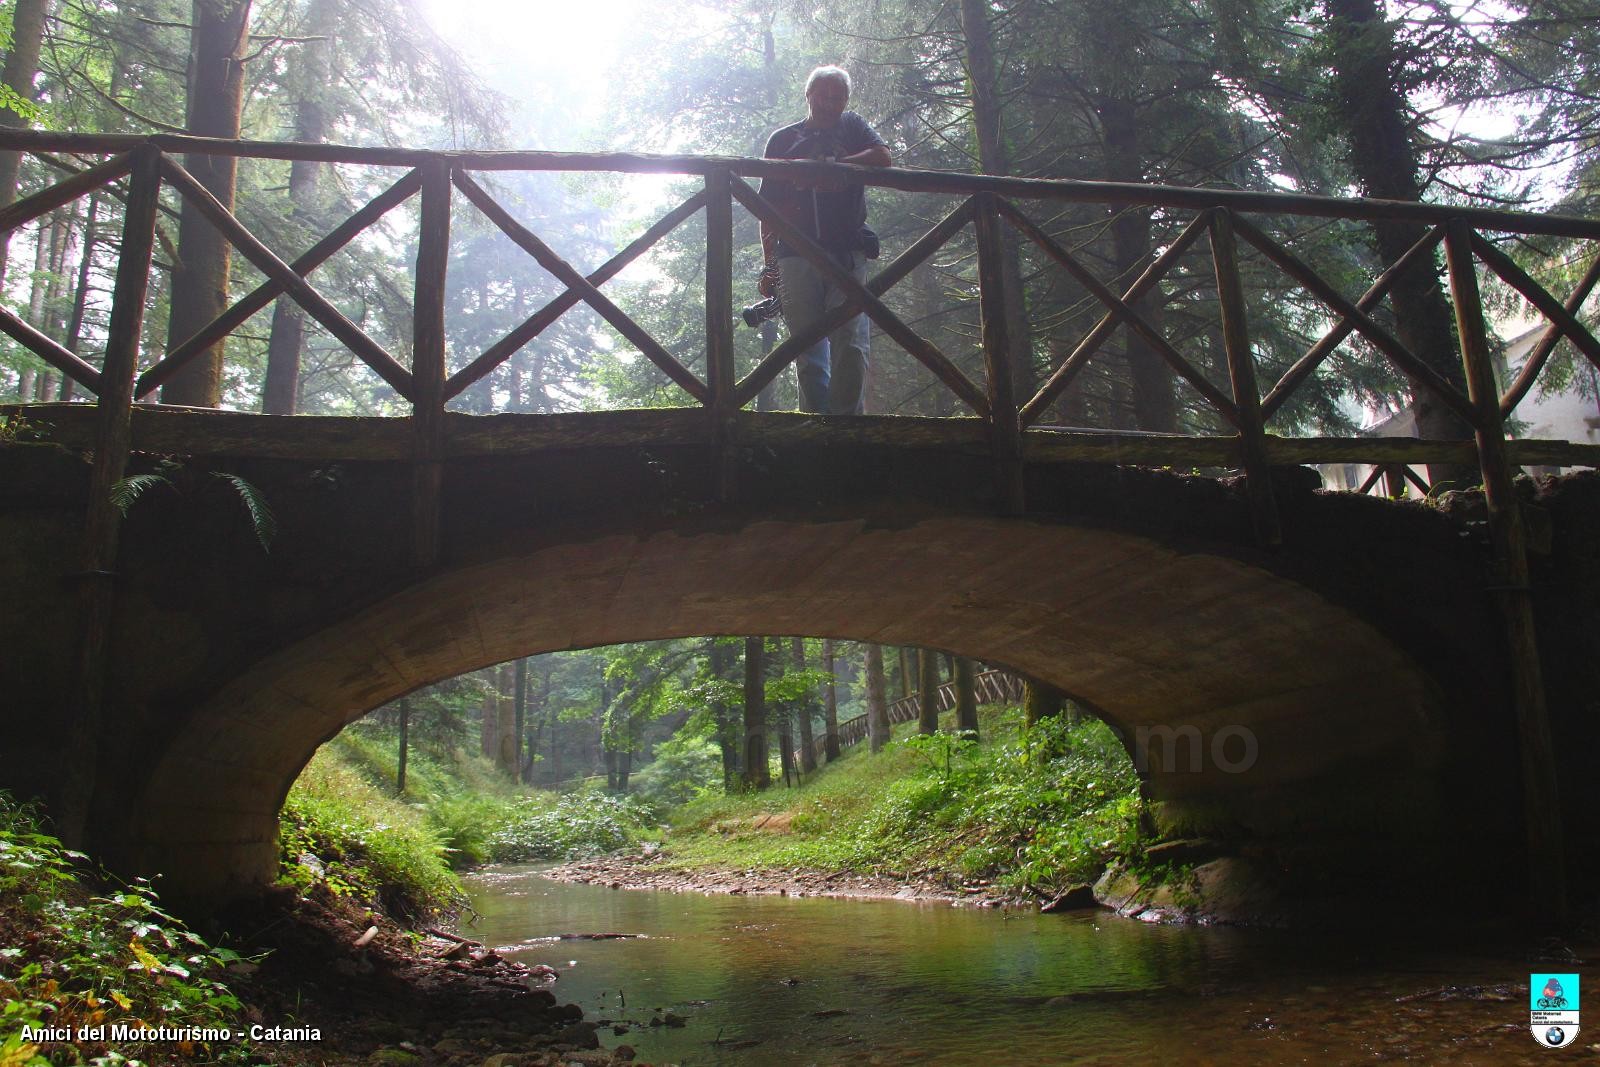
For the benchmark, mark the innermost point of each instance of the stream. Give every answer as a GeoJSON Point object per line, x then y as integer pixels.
{"type": "Point", "coordinates": [788, 980]}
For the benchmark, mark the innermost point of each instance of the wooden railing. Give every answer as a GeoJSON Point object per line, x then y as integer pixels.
{"type": "Point", "coordinates": [992, 687]}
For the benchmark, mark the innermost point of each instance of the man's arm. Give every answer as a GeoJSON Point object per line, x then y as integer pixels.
{"type": "Point", "coordinates": [872, 156]}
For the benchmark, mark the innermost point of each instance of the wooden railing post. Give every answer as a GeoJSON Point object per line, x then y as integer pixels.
{"type": "Point", "coordinates": [1540, 799]}
{"type": "Point", "coordinates": [427, 362]}
{"type": "Point", "coordinates": [102, 521]}
{"type": "Point", "coordinates": [720, 370]}
{"type": "Point", "coordinates": [1005, 429]}
{"type": "Point", "coordinates": [1242, 373]}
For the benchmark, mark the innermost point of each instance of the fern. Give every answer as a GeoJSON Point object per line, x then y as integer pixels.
{"type": "Point", "coordinates": [261, 517]}
{"type": "Point", "coordinates": [128, 490]}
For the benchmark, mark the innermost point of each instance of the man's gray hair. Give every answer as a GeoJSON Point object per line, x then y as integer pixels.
{"type": "Point", "coordinates": [836, 74]}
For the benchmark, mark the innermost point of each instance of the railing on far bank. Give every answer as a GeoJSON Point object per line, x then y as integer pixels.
{"type": "Point", "coordinates": [991, 687]}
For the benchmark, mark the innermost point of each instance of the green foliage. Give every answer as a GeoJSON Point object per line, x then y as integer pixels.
{"type": "Point", "coordinates": [262, 520]}
{"type": "Point", "coordinates": [24, 109]}
{"type": "Point", "coordinates": [577, 826]}
{"type": "Point", "coordinates": [128, 491]}
{"type": "Point", "coordinates": [460, 797]}
{"type": "Point", "coordinates": [338, 828]}
{"type": "Point", "coordinates": [86, 959]}
{"type": "Point", "coordinates": [1043, 808]}
{"type": "Point", "coordinates": [685, 767]}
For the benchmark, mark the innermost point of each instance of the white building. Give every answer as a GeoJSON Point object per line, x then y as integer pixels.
{"type": "Point", "coordinates": [1572, 414]}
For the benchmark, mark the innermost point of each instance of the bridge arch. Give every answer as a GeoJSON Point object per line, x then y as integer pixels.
{"type": "Point", "coordinates": [1158, 639]}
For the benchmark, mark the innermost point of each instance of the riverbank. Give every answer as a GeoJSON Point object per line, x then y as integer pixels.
{"type": "Point", "coordinates": [100, 971]}
{"type": "Point", "coordinates": [374, 993]}
{"type": "Point", "coordinates": [644, 871]}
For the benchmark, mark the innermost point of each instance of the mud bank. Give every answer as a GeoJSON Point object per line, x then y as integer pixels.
{"type": "Point", "coordinates": [640, 871]}
{"type": "Point", "coordinates": [375, 994]}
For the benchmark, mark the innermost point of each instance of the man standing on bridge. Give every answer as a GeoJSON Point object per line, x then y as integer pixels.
{"type": "Point", "coordinates": [833, 372]}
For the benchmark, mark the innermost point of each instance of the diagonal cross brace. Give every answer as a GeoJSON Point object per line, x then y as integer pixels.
{"type": "Point", "coordinates": [1121, 309]}
{"type": "Point", "coordinates": [880, 283]}
{"type": "Point", "coordinates": [1346, 326]}
{"type": "Point", "coordinates": [268, 263]}
{"type": "Point", "coordinates": [1069, 368]}
{"type": "Point", "coordinates": [272, 288]}
{"type": "Point", "coordinates": [1401, 356]}
{"type": "Point", "coordinates": [569, 276]}
{"type": "Point", "coordinates": [860, 296]}
{"type": "Point", "coordinates": [540, 320]}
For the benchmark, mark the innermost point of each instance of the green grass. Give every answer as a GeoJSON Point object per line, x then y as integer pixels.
{"type": "Point", "coordinates": [344, 825]}
{"type": "Point", "coordinates": [338, 827]}
{"type": "Point", "coordinates": [1032, 811]}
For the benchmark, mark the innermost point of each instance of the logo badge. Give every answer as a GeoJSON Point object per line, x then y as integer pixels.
{"type": "Point", "coordinates": [1553, 1009]}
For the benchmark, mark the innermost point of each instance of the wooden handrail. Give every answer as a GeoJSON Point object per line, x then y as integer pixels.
{"type": "Point", "coordinates": [1010, 437]}
{"type": "Point", "coordinates": [905, 179]}
{"type": "Point", "coordinates": [992, 687]}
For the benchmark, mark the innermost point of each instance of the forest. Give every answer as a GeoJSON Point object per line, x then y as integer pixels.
{"type": "Point", "coordinates": [697, 742]}
{"type": "Point", "coordinates": [1440, 103]}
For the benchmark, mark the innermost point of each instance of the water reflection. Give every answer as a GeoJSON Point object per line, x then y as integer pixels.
{"type": "Point", "coordinates": [783, 980]}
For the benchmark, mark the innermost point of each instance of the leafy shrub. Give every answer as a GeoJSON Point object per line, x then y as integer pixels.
{"type": "Point", "coordinates": [578, 825]}
{"type": "Point", "coordinates": [464, 823]}
{"type": "Point", "coordinates": [83, 959]}
{"type": "Point", "coordinates": [336, 827]}
{"type": "Point", "coordinates": [682, 770]}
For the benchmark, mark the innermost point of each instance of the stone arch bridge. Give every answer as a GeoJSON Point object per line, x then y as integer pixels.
{"type": "Point", "coordinates": [1363, 657]}
{"type": "Point", "coordinates": [1416, 684]}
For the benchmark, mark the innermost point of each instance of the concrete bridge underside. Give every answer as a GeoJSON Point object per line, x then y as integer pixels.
{"type": "Point", "coordinates": [1374, 712]}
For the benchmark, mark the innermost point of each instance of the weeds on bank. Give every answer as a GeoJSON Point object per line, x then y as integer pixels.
{"type": "Point", "coordinates": [74, 954]}
{"type": "Point", "coordinates": [343, 825]}
{"type": "Point", "coordinates": [576, 826]}
{"type": "Point", "coordinates": [1030, 810]}
{"type": "Point", "coordinates": [337, 827]}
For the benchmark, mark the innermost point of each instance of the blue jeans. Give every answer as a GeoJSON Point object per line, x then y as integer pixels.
{"type": "Point", "coordinates": [832, 372]}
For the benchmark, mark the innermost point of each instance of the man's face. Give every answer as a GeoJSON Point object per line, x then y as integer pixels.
{"type": "Point", "coordinates": [826, 100]}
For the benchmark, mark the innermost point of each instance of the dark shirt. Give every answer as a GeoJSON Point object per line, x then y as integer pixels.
{"type": "Point", "coordinates": [833, 218]}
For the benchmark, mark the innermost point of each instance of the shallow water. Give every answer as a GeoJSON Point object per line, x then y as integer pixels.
{"type": "Point", "coordinates": [784, 980]}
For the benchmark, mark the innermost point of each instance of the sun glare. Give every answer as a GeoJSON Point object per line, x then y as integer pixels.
{"type": "Point", "coordinates": [546, 52]}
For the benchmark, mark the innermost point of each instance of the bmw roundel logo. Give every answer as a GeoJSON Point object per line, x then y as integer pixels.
{"type": "Point", "coordinates": [1555, 1036]}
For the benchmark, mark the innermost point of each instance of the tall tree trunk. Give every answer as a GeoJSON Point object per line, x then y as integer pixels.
{"type": "Point", "coordinates": [405, 737]}
{"type": "Point", "coordinates": [994, 156]}
{"type": "Point", "coordinates": [200, 276]}
{"type": "Point", "coordinates": [310, 77]}
{"type": "Point", "coordinates": [830, 707]}
{"type": "Point", "coordinates": [791, 776]}
{"type": "Point", "coordinates": [877, 699]}
{"type": "Point", "coordinates": [1383, 154]}
{"type": "Point", "coordinates": [1150, 380]}
{"type": "Point", "coordinates": [80, 294]}
{"type": "Point", "coordinates": [555, 739]}
{"type": "Point", "coordinates": [21, 67]}
{"type": "Point", "coordinates": [1040, 700]}
{"type": "Point", "coordinates": [966, 697]}
{"type": "Point", "coordinates": [489, 725]}
{"type": "Point", "coordinates": [723, 713]}
{"type": "Point", "coordinates": [927, 691]}
{"type": "Point", "coordinates": [506, 752]}
{"type": "Point", "coordinates": [756, 773]}
{"type": "Point", "coordinates": [803, 708]}
{"type": "Point", "coordinates": [907, 673]}
{"type": "Point", "coordinates": [38, 293]}
{"type": "Point", "coordinates": [519, 713]}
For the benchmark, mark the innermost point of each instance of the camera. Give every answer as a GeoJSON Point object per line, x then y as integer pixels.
{"type": "Point", "coordinates": [756, 314]}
